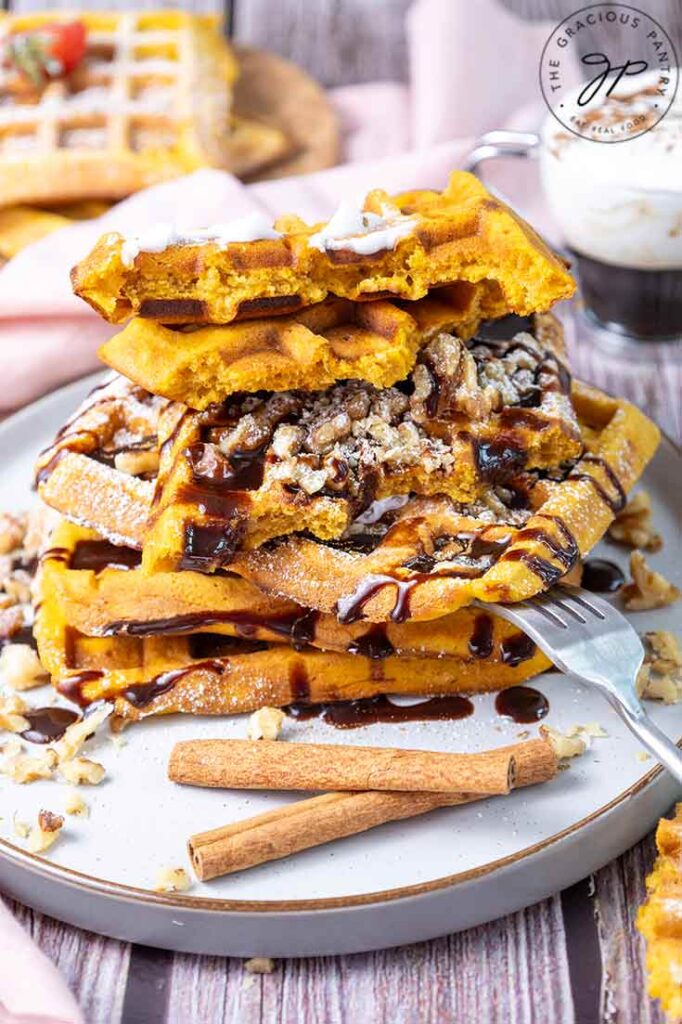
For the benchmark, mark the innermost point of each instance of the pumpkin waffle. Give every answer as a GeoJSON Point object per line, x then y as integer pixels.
{"type": "Point", "coordinates": [334, 340]}
{"type": "Point", "coordinates": [660, 918]}
{"type": "Point", "coordinates": [98, 468]}
{"type": "Point", "coordinates": [149, 101]}
{"type": "Point", "coordinates": [82, 575]}
{"type": "Point", "coordinates": [254, 468]}
{"type": "Point", "coordinates": [436, 556]}
{"type": "Point", "coordinates": [215, 673]}
{"type": "Point", "coordinates": [395, 247]}
{"type": "Point", "coordinates": [22, 225]}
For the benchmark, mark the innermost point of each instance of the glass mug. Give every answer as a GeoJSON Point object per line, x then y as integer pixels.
{"type": "Point", "coordinates": [619, 209]}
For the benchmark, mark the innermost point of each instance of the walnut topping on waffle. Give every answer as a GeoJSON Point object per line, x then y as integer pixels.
{"type": "Point", "coordinates": [262, 466]}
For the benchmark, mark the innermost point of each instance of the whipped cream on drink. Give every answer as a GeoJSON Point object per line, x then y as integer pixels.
{"type": "Point", "coordinates": [619, 202]}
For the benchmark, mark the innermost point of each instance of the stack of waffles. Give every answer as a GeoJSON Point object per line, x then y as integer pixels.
{"type": "Point", "coordinates": [150, 99]}
{"type": "Point", "coordinates": [320, 446]}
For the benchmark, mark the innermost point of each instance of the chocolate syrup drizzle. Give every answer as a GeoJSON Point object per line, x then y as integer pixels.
{"type": "Point", "coordinates": [601, 576]}
{"type": "Point", "coordinates": [48, 724]}
{"type": "Point", "coordinates": [523, 704]}
{"type": "Point", "coordinates": [352, 714]}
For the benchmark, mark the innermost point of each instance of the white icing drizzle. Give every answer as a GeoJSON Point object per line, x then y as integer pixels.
{"type": "Point", "coordinates": [362, 232]}
{"type": "Point", "coordinates": [252, 228]}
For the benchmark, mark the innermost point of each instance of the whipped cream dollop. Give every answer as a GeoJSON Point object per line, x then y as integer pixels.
{"type": "Point", "coordinates": [619, 202]}
{"type": "Point", "coordinates": [362, 231]}
{"type": "Point", "coordinates": [255, 227]}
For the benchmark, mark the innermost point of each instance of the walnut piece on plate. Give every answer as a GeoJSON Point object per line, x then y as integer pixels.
{"type": "Point", "coordinates": [648, 589]}
{"type": "Point", "coordinates": [265, 724]}
{"type": "Point", "coordinates": [172, 880]}
{"type": "Point", "coordinates": [565, 745]}
{"type": "Point", "coordinates": [634, 526]}
{"type": "Point", "coordinates": [21, 668]}
{"type": "Point", "coordinates": [660, 677]}
{"type": "Point", "coordinates": [43, 835]}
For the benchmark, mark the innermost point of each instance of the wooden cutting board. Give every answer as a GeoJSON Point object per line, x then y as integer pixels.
{"type": "Point", "coordinates": [276, 92]}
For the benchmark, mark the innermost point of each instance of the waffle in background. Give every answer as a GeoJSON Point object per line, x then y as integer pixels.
{"type": "Point", "coordinates": [660, 918]}
{"type": "Point", "coordinates": [150, 100]}
{"type": "Point", "coordinates": [22, 225]}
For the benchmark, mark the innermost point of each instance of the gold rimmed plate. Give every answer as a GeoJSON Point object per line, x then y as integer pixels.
{"type": "Point", "coordinates": [404, 882]}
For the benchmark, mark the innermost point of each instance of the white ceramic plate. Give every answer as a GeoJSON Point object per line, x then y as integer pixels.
{"type": "Point", "coordinates": [401, 883]}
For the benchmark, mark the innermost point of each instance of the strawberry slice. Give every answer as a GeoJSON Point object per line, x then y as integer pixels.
{"type": "Point", "coordinates": [52, 51]}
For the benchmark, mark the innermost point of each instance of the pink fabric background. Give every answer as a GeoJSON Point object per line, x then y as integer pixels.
{"type": "Point", "coordinates": [394, 136]}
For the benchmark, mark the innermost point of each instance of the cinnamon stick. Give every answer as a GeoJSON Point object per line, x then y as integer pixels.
{"type": "Point", "coordinates": [268, 764]}
{"type": "Point", "coordinates": [322, 819]}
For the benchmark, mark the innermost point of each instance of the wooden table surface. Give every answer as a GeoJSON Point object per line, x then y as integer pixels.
{"type": "Point", "coordinates": [572, 958]}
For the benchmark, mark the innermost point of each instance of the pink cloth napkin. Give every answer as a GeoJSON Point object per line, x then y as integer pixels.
{"type": "Point", "coordinates": [31, 989]}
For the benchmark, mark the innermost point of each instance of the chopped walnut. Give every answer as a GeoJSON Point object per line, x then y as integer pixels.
{"type": "Point", "coordinates": [12, 710]}
{"type": "Point", "coordinates": [21, 668]}
{"type": "Point", "coordinates": [634, 527]}
{"type": "Point", "coordinates": [591, 729]}
{"type": "Point", "coordinates": [77, 734]}
{"type": "Point", "coordinates": [564, 745]}
{"type": "Point", "coordinates": [21, 828]}
{"type": "Point", "coordinates": [17, 587]}
{"type": "Point", "coordinates": [259, 965]}
{"type": "Point", "coordinates": [660, 677]}
{"type": "Point", "coordinates": [80, 771]}
{"type": "Point", "coordinates": [22, 768]}
{"type": "Point", "coordinates": [265, 724]}
{"type": "Point", "coordinates": [12, 531]}
{"type": "Point", "coordinates": [172, 880]}
{"type": "Point", "coordinates": [137, 463]}
{"type": "Point", "coordinates": [12, 746]}
{"type": "Point", "coordinates": [76, 806]}
{"type": "Point", "coordinates": [45, 833]}
{"type": "Point", "coordinates": [649, 589]}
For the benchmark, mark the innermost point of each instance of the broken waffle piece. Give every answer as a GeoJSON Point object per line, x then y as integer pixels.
{"type": "Point", "coordinates": [659, 918]}
{"type": "Point", "coordinates": [45, 833]}
{"type": "Point", "coordinates": [648, 589]}
{"type": "Point", "coordinates": [634, 525]}
{"type": "Point", "coordinates": [399, 246]}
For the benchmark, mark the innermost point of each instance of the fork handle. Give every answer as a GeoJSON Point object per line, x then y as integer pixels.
{"type": "Point", "coordinates": [656, 742]}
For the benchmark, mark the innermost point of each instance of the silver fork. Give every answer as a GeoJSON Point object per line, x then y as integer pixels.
{"type": "Point", "coordinates": [587, 636]}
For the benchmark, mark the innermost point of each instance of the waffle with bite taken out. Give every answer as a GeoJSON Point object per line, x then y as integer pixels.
{"type": "Point", "coordinates": [396, 247]}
